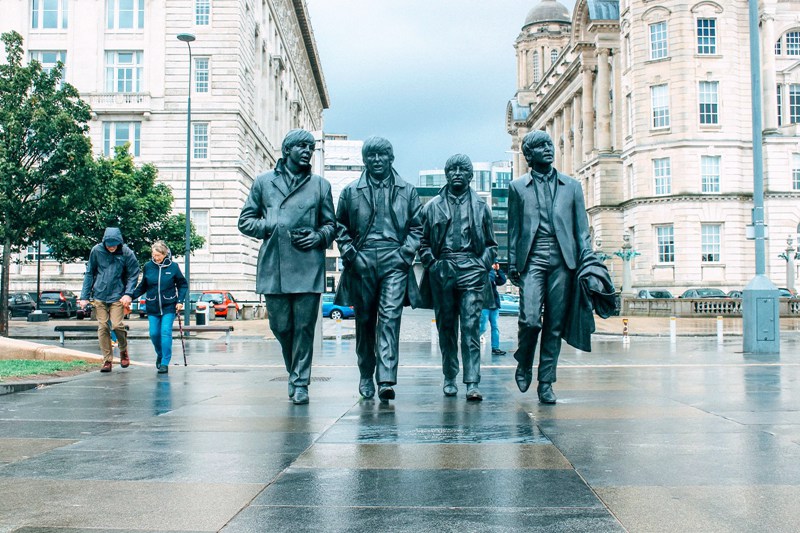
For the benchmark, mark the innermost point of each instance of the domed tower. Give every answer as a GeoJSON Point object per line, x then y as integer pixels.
{"type": "Point", "coordinates": [544, 34]}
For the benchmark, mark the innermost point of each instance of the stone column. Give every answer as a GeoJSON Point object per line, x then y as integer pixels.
{"type": "Point", "coordinates": [789, 264]}
{"type": "Point", "coordinates": [770, 95]}
{"type": "Point", "coordinates": [603, 101]}
{"type": "Point", "coordinates": [588, 112]}
{"type": "Point", "coordinates": [556, 134]}
{"type": "Point", "coordinates": [577, 145]}
{"type": "Point", "coordinates": [566, 160]}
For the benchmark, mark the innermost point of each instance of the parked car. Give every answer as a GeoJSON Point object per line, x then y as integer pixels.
{"type": "Point", "coordinates": [654, 293]}
{"type": "Point", "coordinates": [20, 304]}
{"type": "Point", "coordinates": [140, 306]}
{"type": "Point", "coordinates": [59, 303]}
{"type": "Point", "coordinates": [787, 293]}
{"type": "Point", "coordinates": [734, 294]}
{"type": "Point", "coordinates": [220, 300]}
{"type": "Point", "coordinates": [704, 292]}
{"type": "Point", "coordinates": [509, 304]}
{"type": "Point", "coordinates": [333, 311]}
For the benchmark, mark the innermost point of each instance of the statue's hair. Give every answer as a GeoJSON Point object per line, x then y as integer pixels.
{"type": "Point", "coordinates": [377, 144]}
{"type": "Point", "coordinates": [458, 159]}
{"type": "Point", "coordinates": [295, 137]}
{"type": "Point", "coordinates": [534, 137]}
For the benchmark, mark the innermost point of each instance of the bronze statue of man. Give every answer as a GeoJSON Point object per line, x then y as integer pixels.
{"type": "Point", "coordinates": [548, 234]}
{"type": "Point", "coordinates": [378, 236]}
{"type": "Point", "coordinates": [291, 209]}
{"type": "Point", "coordinates": [458, 249]}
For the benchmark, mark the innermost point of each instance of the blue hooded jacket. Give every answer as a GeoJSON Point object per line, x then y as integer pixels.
{"type": "Point", "coordinates": [110, 275]}
{"type": "Point", "coordinates": [163, 285]}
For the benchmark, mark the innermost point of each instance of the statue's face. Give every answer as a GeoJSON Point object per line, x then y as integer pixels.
{"type": "Point", "coordinates": [378, 163]}
{"type": "Point", "coordinates": [458, 178]}
{"type": "Point", "coordinates": [540, 153]}
{"type": "Point", "coordinates": [300, 154]}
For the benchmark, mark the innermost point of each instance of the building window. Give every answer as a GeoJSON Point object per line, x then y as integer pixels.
{"type": "Point", "coordinates": [503, 179]}
{"type": "Point", "coordinates": [49, 14]}
{"type": "Point", "coordinates": [199, 218]}
{"type": "Point", "coordinates": [793, 43]}
{"type": "Point", "coordinates": [482, 180]}
{"type": "Point", "coordinates": [200, 140]}
{"type": "Point", "coordinates": [32, 252]}
{"type": "Point", "coordinates": [201, 75]}
{"type": "Point", "coordinates": [658, 40]}
{"type": "Point", "coordinates": [663, 176]}
{"type": "Point", "coordinates": [553, 56]}
{"type": "Point", "coordinates": [119, 133]}
{"type": "Point", "coordinates": [49, 59]}
{"type": "Point", "coordinates": [536, 68]}
{"type": "Point", "coordinates": [665, 237]}
{"type": "Point", "coordinates": [794, 103]}
{"type": "Point", "coordinates": [709, 102]}
{"type": "Point", "coordinates": [629, 113]}
{"type": "Point", "coordinates": [706, 36]}
{"type": "Point", "coordinates": [659, 97]}
{"type": "Point", "coordinates": [780, 104]}
{"type": "Point", "coordinates": [124, 14]}
{"type": "Point", "coordinates": [628, 52]}
{"type": "Point", "coordinates": [710, 239]}
{"type": "Point", "coordinates": [124, 71]}
{"type": "Point", "coordinates": [796, 173]}
{"type": "Point", "coordinates": [202, 12]}
{"type": "Point", "coordinates": [778, 47]}
{"type": "Point", "coordinates": [709, 173]}
{"type": "Point", "coordinates": [631, 183]}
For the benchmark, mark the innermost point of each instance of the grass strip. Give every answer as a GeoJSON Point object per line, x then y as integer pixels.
{"type": "Point", "coordinates": [10, 368]}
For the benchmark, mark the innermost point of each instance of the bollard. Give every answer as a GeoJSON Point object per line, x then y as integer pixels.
{"type": "Point", "coordinates": [625, 338]}
{"type": "Point", "coordinates": [338, 330]}
{"type": "Point", "coordinates": [434, 331]}
{"type": "Point", "coordinates": [719, 330]}
{"type": "Point", "coordinates": [673, 330]}
{"type": "Point", "coordinates": [200, 315]}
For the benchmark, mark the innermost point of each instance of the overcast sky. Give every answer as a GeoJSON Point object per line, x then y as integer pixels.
{"type": "Point", "coordinates": [432, 76]}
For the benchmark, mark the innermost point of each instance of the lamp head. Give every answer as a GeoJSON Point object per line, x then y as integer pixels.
{"type": "Point", "coordinates": [186, 37]}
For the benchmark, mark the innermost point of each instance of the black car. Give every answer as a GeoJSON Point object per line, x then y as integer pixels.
{"type": "Point", "coordinates": [59, 303]}
{"type": "Point", "coordinates": [20, 304]}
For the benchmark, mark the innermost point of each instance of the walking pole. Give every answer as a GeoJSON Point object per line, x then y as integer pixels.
{"type": "Point", "coordinates": [183, 343]}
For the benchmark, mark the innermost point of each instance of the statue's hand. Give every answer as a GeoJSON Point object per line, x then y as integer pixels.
{"type": "Point", "coordinates": [309, 242]}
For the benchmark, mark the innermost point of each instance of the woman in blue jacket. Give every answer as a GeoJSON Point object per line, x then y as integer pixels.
{"type": "Point", "coordinates": [165, 289]}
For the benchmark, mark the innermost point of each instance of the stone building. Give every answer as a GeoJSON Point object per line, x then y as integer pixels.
{"type": "Point", "coordinates": [255, 75]}
{"type": "Point", "coordinates": [648, 104]}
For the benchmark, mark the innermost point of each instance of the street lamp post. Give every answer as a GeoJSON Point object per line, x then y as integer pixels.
{"type": "Point", "coordinates": [188, 38]}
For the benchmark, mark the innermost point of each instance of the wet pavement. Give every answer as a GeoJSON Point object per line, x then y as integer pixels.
{"type": "Point", "coordinates": [647, 436]}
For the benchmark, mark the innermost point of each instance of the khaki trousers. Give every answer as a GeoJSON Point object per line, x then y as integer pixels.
{"type": "Point", "coordinates": [116, 312]}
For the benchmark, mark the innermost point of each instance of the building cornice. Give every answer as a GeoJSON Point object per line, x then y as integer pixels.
{"type": "Point", "coordinates": [310, 43]}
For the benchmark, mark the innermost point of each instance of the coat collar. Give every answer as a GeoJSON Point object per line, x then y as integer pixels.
{"type": "Point", "coordinates": [278, 179]}
{"type": "Point", "coordinates": [363, 180]}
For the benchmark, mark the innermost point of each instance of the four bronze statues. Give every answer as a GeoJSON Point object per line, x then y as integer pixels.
{"type": "Point", "coordinates": [380, 227]}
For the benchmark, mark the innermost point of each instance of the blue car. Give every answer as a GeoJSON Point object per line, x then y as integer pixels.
{"type": "Point", "coordinates": [333, 311]}
{"type": "Point", "coordinates": [509, 304]}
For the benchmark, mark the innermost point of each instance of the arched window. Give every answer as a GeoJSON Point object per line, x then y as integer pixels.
{"type": "Point", "coordinates": [536, 68]}
{"type": "Point", "coordinates": [553, 56]}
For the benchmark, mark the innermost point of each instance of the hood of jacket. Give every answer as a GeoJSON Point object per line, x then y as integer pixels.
{"type": "Point", "coordinates": [113, 237]}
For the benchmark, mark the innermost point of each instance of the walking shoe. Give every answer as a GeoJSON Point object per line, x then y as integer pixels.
{"type": "Point", "coordinates": [523, 377]}
{"type": "Point", "coordinates": [450, 388]}
{"type": "Point", "coordinates": [291, 389]}
{"type": "Point", "coordinates": [300, 395]}
{"type": "Point", "coordinates": [385, 392]}
{"type": "Point", "coordinates": [163, 369]}
{"type": "Point", "coordinates": [498, 351]}
{"type": "Point", "coordinates": [124, 360]}
{"type": "Point", "coordinates": [473, 394]}
{"type": "Point", "coordinates": [106, 367]}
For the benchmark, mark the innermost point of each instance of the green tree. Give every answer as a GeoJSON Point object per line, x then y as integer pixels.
{"type": "Point", "coordinates": [129, 198]}
{"type": "Point", "coordinates": [44, 152]}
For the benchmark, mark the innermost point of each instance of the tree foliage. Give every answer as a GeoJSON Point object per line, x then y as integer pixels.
{"type": "Point", "coordinates": [127, 197]}
{"type": "Point", "coordinates": [44, 152]}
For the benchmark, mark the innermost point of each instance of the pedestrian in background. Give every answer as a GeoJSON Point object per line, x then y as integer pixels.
{"type": "Point", "coordinates": [492, 312]}
{"type": "Point", "coordinates": [110, 279]}
{"type": "Point", "coordinates": [165, 289]}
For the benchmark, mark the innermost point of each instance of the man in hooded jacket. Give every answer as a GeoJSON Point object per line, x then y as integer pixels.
{"type": "Point", "coordinates": [110, 279]}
